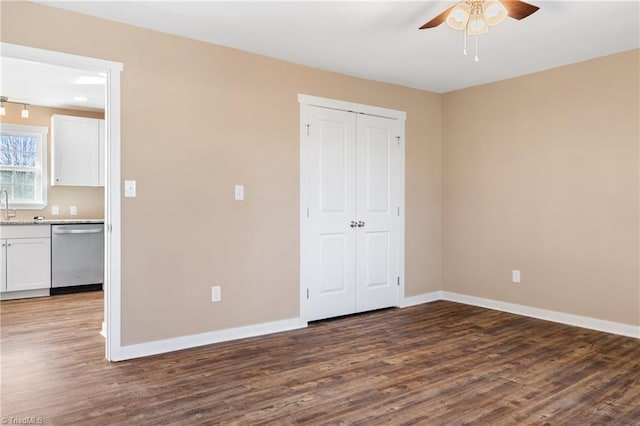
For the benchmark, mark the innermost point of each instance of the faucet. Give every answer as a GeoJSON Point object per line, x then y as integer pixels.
{"type": "Point", "coordinates": [6, 203]}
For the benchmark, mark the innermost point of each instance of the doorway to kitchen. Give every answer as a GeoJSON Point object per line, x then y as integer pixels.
{"type": "Point", "coordinates": [110, 73]}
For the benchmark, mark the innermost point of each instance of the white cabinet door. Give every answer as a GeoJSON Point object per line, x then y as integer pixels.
{"type": "Point", "coordinates": [101, 153]}
{"type": "Point", "coordinates": [28, 263]}
{"type": "Point", "coordinates": [3, 265]}
{"type": "Point", "coordinates": [76, 150]}
{"type": "Point", "coordinates": [349, 246]}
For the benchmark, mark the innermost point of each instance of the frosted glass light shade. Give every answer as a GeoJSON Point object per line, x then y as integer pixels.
{"type": "Point", "coordinates": [459, 16]}
{"type": "Point", "coordinates": [477, 25]}
{"type": "Point", "coordinates": [3, 111]}
{"type": "Point", "coordinates": [25, 113]}
{"type": "Point", "coordinates": [494, 12]}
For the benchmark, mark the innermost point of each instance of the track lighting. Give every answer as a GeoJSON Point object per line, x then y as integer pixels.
{"type": "Point", "coordinates": [3, 111]}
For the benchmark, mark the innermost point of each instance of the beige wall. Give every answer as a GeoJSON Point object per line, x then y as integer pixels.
{"type": "Point", "coordinates": [541, 174]}
{"type": "Point", "coordinates": [197, 119]}
{"type": "Point", "coordinates": [89, 200]}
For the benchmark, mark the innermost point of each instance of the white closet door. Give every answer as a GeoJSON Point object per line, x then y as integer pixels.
{"type": "Point", "coordinates": [378, 164]}
{"type": "Point", "coordinates": [328, 254]}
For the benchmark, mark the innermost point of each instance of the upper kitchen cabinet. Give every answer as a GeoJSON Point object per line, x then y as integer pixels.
{"type": "Point", "coordinates": [77, 147]}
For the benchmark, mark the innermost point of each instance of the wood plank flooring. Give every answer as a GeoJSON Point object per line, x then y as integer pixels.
{"type": "Point", "coordinates": [433, 364]}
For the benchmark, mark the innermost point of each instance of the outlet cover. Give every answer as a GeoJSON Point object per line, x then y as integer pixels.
{"type": "Point", "coordinates": [73, 210]}
{"type": "Point", "coordinates": [55, 210]}
{"type": "Point", "coordinates": [216, 294]}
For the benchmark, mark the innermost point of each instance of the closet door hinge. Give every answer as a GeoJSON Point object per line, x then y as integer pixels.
{"type": "Point", "coordinates": [307, 211]}
{"type": "Point", "coordinates": [398, 281]}
{"type": "Point", "coordinates": [398, 211]}
{"type": "Point", "coordinates": [397, 140]}
{"type": "Point", "coordinates": [307, 293]}
{"type": "Point", "coordinates": [308, 125]}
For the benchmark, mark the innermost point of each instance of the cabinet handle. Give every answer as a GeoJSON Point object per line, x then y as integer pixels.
{"type": "Point", "coordinates": [353, 224]}
{"type": "Point", "coordinates": [360, 224]}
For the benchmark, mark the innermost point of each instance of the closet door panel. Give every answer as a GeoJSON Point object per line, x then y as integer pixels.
{"type": "Point", "coordinates": [376, 205]}
{"type": "Point", "coordinates": [331, 246]}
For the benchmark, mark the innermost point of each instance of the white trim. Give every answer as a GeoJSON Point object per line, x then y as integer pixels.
{"type": "Point", "coordinates": [420, 299]}
{"type": "Point", "coordinates": [24, 128]}
{"type": "Point", "coordinates": [527, 311]}
{"type": "Point", "coordinates": [112, 175]}
{"type": "Point", "coordinates": [195, 340]}
{"type": "Point", "coordinates": [303, 210]}
{"type": "Point", "coordinates": [402, 206]}
{"type": "Point", "coordinates": [350, 106]}
{"type": "Point", "coordinates": [544, 314]}
{"type": "Point", "coordinates": [39, 132]}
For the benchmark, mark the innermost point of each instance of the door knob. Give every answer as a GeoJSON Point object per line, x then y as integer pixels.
{"type": "Point", "coordinates": [353, 224]}
{"type": "Point", "coordinates": [360, 224]}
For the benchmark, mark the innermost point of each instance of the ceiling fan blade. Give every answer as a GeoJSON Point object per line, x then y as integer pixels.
{"type": "Point", "coordinates": [518, 9]}
{"type": "Point", "coordinates": [438, 19]}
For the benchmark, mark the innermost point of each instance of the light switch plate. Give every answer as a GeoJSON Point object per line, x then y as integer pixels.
{"type": "Point", "coordinates": [216, 294]}
{"type": "Point", "coordinates": [239, 192]}
{"type": "Point", "coordinates": [73, 210]}
{"type": "Point", "coordinates": [55, 210]}
{"type": "Point", "coordinates": [515, 276]}
{"type": "Point", "coordinates": [129, 188]}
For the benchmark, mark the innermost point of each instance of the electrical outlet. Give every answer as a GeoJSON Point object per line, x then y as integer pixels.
{"type": "Point", "coordinates": [216, 294]}
{"type": "Point", "coordinates": [55, 210]}
{"type": "Point", "coordinates": [515, 276]}
{"type": "Point", "coordinates": [73, 210]}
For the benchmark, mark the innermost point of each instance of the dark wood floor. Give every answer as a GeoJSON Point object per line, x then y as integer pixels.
{"type": "Point", "coordinates": [439, 363]}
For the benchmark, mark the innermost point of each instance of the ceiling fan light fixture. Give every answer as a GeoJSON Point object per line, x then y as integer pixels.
{"type": "Point", "coordinates": [477, 25]}
{"type": "Point", "coordinates": [494, 12]}
{"type": "Point", "coordinates": [459, 16]}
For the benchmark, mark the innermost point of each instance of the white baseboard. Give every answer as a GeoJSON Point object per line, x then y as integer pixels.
{"type": "Point", "coordinates": [544, 314]}
{"type": "Point", "coordinates": [10, 295]}
{"type": "Point", "coordinates": [420, 299]}
{"type": "Point", "coordinates": [527, 311]}
{"type": "Point", "coordinates": [184, 342]}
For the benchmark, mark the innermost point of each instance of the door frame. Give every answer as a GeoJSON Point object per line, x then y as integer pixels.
{"type": "Point", "coordinates": [307, 101]}
{"type": "Point", "coordinates": [112, 278]}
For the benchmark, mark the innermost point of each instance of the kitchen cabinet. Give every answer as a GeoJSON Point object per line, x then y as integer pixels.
{"type": "Point", "coordinates": [25, 257]}
{"type": "Point", "coordinates": [77, 147]}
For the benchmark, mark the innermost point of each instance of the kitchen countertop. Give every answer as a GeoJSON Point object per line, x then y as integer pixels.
{"type": "Point", "coordinates": [49, 221]}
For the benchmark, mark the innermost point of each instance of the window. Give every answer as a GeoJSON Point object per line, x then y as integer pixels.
{"type": "Point", "coordinates": [23, 165]}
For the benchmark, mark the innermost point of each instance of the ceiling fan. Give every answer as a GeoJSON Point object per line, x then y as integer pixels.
{"type": "Point", "coordinates": [476, 16]}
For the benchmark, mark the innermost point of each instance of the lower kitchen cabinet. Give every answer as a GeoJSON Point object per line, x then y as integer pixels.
{"type": "Point", "coordinates": [25, 257]}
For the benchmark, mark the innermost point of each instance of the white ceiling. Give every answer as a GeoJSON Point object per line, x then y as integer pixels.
{"type": "Point", "coordinates": [377, 40]}
{"type": "Point", "coordinates": [49, 85]}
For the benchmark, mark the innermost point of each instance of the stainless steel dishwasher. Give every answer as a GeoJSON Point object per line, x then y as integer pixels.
{"type": "Point", "coordinates": [77, 257]}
